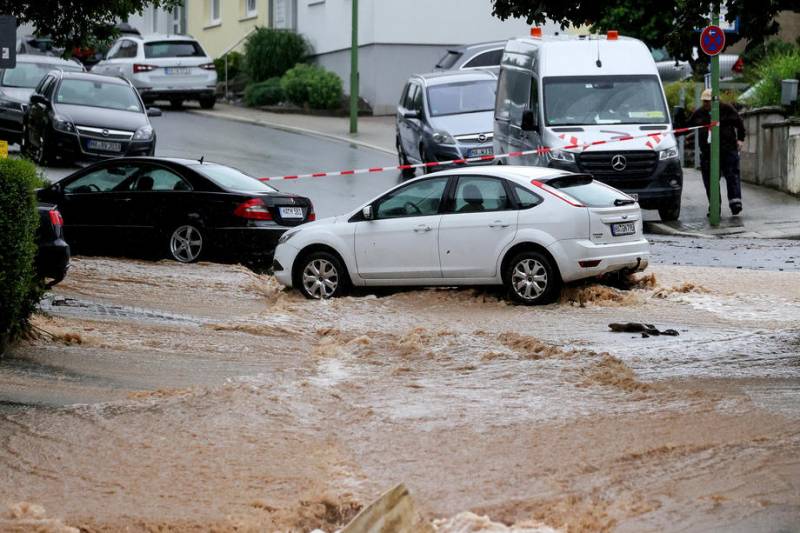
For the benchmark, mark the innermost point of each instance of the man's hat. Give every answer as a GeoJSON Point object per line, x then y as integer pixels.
{"type": "Point", "coordinates": [706, 95]}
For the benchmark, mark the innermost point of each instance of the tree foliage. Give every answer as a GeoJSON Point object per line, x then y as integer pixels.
{"type": "Point", "coordinates": [77, 22]}
{"type": "Point", "coordinates": [669, 23]}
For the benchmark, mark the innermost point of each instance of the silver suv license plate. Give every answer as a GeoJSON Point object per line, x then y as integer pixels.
{"type": "Point", "coordinates": [291, 212]}
{"type": "Point", "coordinates": [623, 228]}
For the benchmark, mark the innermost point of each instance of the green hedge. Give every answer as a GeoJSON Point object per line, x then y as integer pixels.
{"type": "Point", "coordinates": [270, 53]}
{"type": "Point", "coordinates": [235, 64]}
{"type": "Point", "coordinates": [315, 86]}
{"type": "Point", "coordinates": [267, 92]}
{"type": "Point", "coordinates": [770, 72]}
{"type": "Point", "coordinates": [20, 290]}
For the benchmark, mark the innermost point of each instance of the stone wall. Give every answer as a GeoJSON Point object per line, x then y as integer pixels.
{"type": "Point", "coordinates": [771, 152]}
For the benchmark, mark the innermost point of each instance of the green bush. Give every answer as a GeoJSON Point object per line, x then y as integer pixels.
{"type": "Point", "coordinates": [235, 62]}
{"type": "Point", "coordinates": [315, 86]}
{"type": "Point", "coordinates": [267, 92]}
{"type": "Point", "coordinates": [270, 53]}
{"type": "Point", "coordinates": [755, 55]}
{"type": "Point", "coordinates": [672, 92]}
{"type": "Point", "coordinates": [20, 289]}
{"type": "Point", "coordinates": [770, 72]}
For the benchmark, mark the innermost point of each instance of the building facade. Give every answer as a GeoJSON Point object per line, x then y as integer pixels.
{"type": "Point", "coordinates": [222, 25]}
{"type": "Point", "coordinates": [158, 20]}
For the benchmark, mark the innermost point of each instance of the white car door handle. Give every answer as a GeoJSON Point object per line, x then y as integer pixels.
{"type": "Point", "coordinates": [498, 224]}
{"type": "Point", "coordinates": [422, 228]}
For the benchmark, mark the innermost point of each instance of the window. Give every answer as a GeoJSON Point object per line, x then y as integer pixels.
{"type": "Point", "coordinates": [491, 58]}
{"type": "Point", "coordinates": [103, 180]}
{"type": "Point", "coordinates": [459, 98]}
{"type": "Point", "coordinates": [160, 179]}
{"type": "Point", "coordinates": [127, 49]}
{"type": "Point", "coordinates": [159, 49]}
{"type": "Point", "coordinates": [589, 193]}
{"type": "Point", "coordinates": [416, 103]}
{"type": "Point", "coordinates": [526, 198]}
{"type": "Point", "coordinates": [592, 100]}
{"type": "Point", "coordinates": [230, 178]}
{"type": "Point", "coordinates": [404, 95]}
{"type": "Point", "coordinates": [421, 198]}
{"type": "Point", "coordinates": [112, 53]}
{"type": "Point", "coordinates": [44, 84]}
{"type": "Point", "coordinates": [28, 75]}
{"type": "Point", "coordinates": [410, 96]}
{"type": "Point", "coordinates": [214, 12]}
{"type": "Point", "coordinates": [448, 59]}
{"type": "Point", "coordinates": [513, 94]}
{"type": "Point", "coordinates": [48, 87]}
{"type": "Point", "coordinates": [478, 194]}
{"type": "Point", "coordinates": [250, 8]}
{"type": "Point", "coordinates": [99, 94]}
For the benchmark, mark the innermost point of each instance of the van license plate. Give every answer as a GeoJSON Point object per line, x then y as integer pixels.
{"type": "Point", "coordinates": [104, 146]}
{"type": "Point", "coordinates": [291, 212]}
{"type": "Point", "coordinates": [477, 152]}
{"type": "Point", "coordinates": [623, 228]}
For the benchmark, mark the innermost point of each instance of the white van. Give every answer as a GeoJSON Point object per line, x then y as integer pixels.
{"type": "Point", "coordinates": [556, 91]}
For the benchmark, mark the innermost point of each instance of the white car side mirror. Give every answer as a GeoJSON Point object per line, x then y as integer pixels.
{"type": "Point", "coordinates": [366, 212]}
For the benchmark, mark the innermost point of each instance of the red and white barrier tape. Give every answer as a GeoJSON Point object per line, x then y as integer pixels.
{"type": "Point", "coordinates": [654, 140]}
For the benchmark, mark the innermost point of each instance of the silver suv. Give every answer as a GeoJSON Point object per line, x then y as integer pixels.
{"type": "Point", "coordinates": [163, 67]}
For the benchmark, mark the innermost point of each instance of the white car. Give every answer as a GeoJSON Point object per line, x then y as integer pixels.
{"type": "Point", "coordinates": [530, 229]}
{"type": "Point", "coordinates": [163, 67]}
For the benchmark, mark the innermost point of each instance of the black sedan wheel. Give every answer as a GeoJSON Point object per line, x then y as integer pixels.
{"type": "Point", "coordinates": [186, 243]}
{"type": "Point", "coordinates": [322, 276]}
{"type": "Point", "coordinates": [532, 280]}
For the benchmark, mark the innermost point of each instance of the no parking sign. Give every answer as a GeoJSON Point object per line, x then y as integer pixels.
{"type": "Point", "coordinates": [712, 40]}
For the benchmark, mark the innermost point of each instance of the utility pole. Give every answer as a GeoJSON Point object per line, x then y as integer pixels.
{"type": "Point", "coordinates": [354, 72]}
{"type": "Point", "coordinates": [714, 170]}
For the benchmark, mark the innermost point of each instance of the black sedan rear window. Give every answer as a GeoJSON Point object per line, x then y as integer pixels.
{"type": "Point", "coordinates": [159, 49]}
{"type": "Point", "coordinates": [232, 179]}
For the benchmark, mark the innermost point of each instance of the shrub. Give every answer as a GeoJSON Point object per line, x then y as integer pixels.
{"type": "Point", "coordinates": [20, 289]}
{"type": "Point", "coordinates": [672, 92]}
{"type": "Point", "coordinates": [270, 53]}
{"type": "Point", "coordinates": [267, 92]}
{"type": "Point", "coordinates": [755, 55]}
{"type": "Point", "coordinates": [770, 72]}
{"type": "Point", "coordinates": [315, 86]}
{"type": "Point", "coordinates": [235, 62]}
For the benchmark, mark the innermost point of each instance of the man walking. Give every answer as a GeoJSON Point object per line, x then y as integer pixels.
{"type": "Point", "coordinates": [731, 137]}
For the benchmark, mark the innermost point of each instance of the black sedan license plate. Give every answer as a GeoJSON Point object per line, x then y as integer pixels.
{"type": "Point", "coordinates": [105, 146]}
{"type": "Point", "coordinates": [291, 212]}
{"type": "Point", "coordinates": [477, 152]}
{"type": "Point", "coordinates": [623, 228]}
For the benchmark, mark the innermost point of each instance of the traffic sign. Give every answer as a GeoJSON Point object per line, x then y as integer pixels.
{"type": "Point", "coordinates": [712, 40]}
{"type": "Point", "coordinates": [8, 41]}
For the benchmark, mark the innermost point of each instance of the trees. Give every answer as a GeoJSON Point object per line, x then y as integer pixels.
{"type": "Point", "coordinates": [77, 22]}
{"type": "Point", "coordinates": [669, 23]}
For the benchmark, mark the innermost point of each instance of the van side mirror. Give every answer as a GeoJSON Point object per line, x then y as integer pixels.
{"type": "Point", "coordinates": [366, 212]}
{"type": "Point", "coordinates": [529, 122]}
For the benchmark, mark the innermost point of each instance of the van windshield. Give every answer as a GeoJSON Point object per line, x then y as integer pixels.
{"type": "Point", "coordinates": [590, 100]}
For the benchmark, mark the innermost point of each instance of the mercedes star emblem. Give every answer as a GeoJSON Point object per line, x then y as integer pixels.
{"type": "Point", "coordinates": [482, 137]}
{"type": "Point", "coordinates": [105, 133]}
{"type": "Point", "coordinates": [619, 163]}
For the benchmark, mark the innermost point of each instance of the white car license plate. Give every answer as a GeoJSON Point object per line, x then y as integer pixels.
{"type": "Point", "coordinates": [623, 228]}
{"type": "Point", "coordinates": [105, 146]}
{"type": "Point", "coordinates": [477, 152]}
{"type": "Point", "coordinates": [177, 71]}
{"type": "Point", "coordinates": [291, 212]}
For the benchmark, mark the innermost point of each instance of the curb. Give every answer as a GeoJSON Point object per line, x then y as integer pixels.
{"type": "Point", "coordinates": [659, 228]}
{"type": "Point", "coordinates": [291, 129]}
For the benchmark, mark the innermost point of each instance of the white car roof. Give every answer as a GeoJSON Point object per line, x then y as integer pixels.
{"type": "Point", "coordinates": [519, 174]}
{"type": "Point", "coordinates": [159, 37]}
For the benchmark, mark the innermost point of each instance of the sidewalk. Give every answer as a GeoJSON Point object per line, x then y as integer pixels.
{"type": "Point", "coordinates": [766, 214]}
{"type": "Point", "coordinates": [376, 133]}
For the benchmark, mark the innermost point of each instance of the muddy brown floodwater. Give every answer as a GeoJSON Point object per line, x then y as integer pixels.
{"type": "Point", "coordinates": [167, 397]}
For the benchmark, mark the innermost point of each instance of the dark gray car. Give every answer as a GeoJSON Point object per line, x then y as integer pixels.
{"type": "Point", "coordinates": [17, 85]}
{"type": "Point", "coordinates": [470, 56]}
{"type": "Point", "coordinates": [444, 116]}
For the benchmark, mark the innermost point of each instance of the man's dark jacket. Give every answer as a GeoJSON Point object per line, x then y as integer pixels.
{"type": "Point", "coordinates": [731, 127]}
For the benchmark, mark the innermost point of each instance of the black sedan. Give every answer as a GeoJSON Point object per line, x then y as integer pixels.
{"type": "Point", "coordinates": [79, 115]}
{"type": "Point", "coordinates": [184, 208]}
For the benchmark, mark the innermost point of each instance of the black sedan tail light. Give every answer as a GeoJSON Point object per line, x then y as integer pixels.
{"type": "Point", "coordinates": [253, 209]}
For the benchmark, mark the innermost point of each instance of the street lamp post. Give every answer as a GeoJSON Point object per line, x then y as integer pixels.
{"type": "Point", "coordinates": [354, 72]}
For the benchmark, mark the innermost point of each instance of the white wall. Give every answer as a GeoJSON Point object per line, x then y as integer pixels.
{"type": "Point", "coordinates": [326, 23]}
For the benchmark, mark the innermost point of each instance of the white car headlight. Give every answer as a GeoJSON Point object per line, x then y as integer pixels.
{"type": "Point", "coordinates": [288, 235]}
{"type": "Point", "coordinates": [442, 137]}
{"type": "Point", "coordinates": [145, 133]}
{"type": "Point", "coordinates": [669, 153]}
{"type": "Point", "coordinates": [62, 124]}
{"type": "Point", "coordinates": [562, 155]}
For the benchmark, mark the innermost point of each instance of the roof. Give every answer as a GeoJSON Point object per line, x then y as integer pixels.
{"type": "Point", "coordinates": [36, 58]}
{"type": "Point", "coordinates": [520, 174]}
{"type": "Point", "coordinates": [160, 37]}
{"type": "Point", "coordinates": [93, 77]}
{"type": "Point", "coordinates": [474, 46]}
{"type": "Point", "coordinates": [455, 76]}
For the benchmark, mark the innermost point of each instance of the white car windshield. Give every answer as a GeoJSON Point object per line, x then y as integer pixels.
{"type": "Point", "coordinates": [591, 100]}
{"type": "Point", "coordinates": [28, 75]}
{"type": "Point", "coordinates": [463, 97]}
{"type": "Point", "coordinates": [98, 94]}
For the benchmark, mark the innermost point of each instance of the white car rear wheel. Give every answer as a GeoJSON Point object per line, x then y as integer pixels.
{"type": "Point", "coordinates": [532, 279]}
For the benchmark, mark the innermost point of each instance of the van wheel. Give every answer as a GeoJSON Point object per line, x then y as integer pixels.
{"type": "Point", "coordinates": [671, 212]}
{"type": "Point", "coordinates": [321, 276]}
{"type": "Point", "coordinates": [531, 279]}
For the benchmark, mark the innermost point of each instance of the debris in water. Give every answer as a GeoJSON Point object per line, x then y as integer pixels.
{"type": "Point", "coordinates": [647, 330]}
